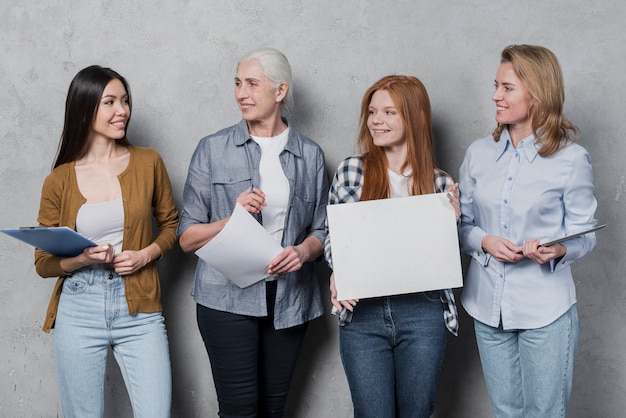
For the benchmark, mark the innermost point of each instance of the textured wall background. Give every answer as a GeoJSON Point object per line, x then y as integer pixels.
{"type": "Point", "coordinates": [179, 59]}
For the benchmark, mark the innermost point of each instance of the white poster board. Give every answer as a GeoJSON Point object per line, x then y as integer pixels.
{"type": "Point", "coordinates": [394, 246]}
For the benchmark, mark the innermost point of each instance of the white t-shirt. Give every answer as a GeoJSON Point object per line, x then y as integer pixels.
{"type": "Point", "coordinates": [274, 184]}
{"type": "Point", "coordinates": [400, 183]}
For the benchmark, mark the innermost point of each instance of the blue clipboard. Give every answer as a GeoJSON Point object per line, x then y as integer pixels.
{"type": "Point", "coordinates": [60, 241]}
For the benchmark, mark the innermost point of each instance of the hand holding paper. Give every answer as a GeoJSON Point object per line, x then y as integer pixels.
{"type": "Point", "coordinates": [292, 258]}
{"type": "Point", "coordinates": [242, 250]}
{"type": "Point", "coordinates": [252, 199]}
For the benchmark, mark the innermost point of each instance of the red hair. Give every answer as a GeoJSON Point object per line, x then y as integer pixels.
{"type": "Point", "coordinates": [411, 99]}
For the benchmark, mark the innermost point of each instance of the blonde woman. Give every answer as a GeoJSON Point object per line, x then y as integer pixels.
{"type": "Point", "coordinates": [526, 182]}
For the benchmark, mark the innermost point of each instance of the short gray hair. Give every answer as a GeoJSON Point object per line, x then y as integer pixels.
{"type": "Point", "coordinates": [276, 67]}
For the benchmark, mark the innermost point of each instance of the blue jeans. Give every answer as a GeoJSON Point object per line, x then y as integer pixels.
{"type": "Point", "coordinates": [93, 316]}
{"type": "Point", "coordinates": [529, 372]}
{"type": "Point", "coordinates": [392, 352]}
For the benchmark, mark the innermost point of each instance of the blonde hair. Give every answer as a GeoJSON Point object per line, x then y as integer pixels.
{"type": "Point", "coordinates": [539, 70]}
{"type": "Point", "coordinates": [411, 100]}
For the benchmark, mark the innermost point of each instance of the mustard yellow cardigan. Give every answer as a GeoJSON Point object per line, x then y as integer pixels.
{"type": "Point", "coordinates": [146, 192]}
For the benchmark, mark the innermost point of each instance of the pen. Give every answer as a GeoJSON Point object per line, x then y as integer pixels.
{"type": "Point", "coordinates": [251, 188]}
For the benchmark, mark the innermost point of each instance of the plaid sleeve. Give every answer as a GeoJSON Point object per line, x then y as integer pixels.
{"type": "Point", "coordinates": [450, 313]}
{"type": "Point", "coordinates": [345, 188]}
{"type": "Point", "coordinates": [443, 181]}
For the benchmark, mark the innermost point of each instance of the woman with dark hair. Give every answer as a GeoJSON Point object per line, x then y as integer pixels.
{"type": "Point", "coordinates": [392, 347]}
{"type": "Point", "coordinates": [109, 295]}
{"type": "Point", "coordinates": [253, 335]}
{"type": "Point", "coordinates": [526, 182]}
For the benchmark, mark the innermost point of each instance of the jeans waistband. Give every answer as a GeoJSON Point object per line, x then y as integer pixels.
{"type": "Point", "coordinates": [96, 272]}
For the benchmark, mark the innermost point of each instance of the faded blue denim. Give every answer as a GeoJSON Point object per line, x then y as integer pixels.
{"type": "Point", "coordinates": [529, 372]}
{"type": "Point", "coordinates": [93, 316]}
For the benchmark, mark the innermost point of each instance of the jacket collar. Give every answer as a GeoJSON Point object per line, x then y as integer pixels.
{"type": "Point", "coordinates": [293, 145]}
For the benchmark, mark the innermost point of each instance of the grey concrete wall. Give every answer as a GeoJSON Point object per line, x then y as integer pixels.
{"type": "Point", "coordinates": [179, 59]}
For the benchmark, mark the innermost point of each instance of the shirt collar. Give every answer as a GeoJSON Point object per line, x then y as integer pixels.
{"type": "Point", "coordinates": [293, 145]}
{"type": "Point", "coordinates": [527, 146]}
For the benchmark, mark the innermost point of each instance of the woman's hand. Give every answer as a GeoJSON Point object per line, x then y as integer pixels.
{"type": "Point", "coordinates": [100, 254]}
{"type": "Point", "coordinates": [541, 254]}
{"type": "Point", "coordinates": [129, 261]}
{"type": "Point", "coordinates": [453, 197]}
{"type": "Point", "coordinates": [502, 249]}
{"type": "Point", "coordinates": [339, 305]}
{"type": "Point", "coordinates": [292, 258]}
{"type": "Point", "coordinates": [252, 200]}
{"type": "Point", "coordinates": [288, 260]}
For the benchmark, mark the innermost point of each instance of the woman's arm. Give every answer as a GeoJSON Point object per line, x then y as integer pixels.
{"type": "Point", "coordinates": [161, 200]}
{"type": "Point", "coordinates": [198, 235]}
{"type": "Point", "coordinates": [473, 238]}
{"type": "Point", "coordinates": [103, 253]}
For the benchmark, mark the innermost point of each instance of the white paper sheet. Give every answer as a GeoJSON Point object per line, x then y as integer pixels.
{"type": "Point", "coordinates": [394, 246]}
{"type": "Point", "coordinates": [242, 250]}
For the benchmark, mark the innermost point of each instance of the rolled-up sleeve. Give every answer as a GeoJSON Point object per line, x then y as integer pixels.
{"type": "Point", "coordinates": [318, 226]}
{"type": "Point", "coordinates": [197, 191]}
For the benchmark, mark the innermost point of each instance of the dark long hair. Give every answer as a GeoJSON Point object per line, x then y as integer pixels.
{"type": "Point", "coordinates": [81, 105]}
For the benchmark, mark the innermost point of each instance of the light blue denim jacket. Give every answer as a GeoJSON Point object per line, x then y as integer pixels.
{"type": "Point", "coordinates": [222, 167]}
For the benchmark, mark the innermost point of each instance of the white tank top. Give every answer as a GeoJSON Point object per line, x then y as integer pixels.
{"type": "Point", "coordinates": [102, 222]}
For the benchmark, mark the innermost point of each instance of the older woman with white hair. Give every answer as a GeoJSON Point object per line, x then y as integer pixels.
{"type": "Point", "coordinates": [253, 335]}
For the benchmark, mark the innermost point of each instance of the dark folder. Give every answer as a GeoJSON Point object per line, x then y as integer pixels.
{"type": "Point", "coordinates": [567, 237]}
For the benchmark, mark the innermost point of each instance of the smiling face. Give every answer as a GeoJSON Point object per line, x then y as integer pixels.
{"type": "Point", "coordinates": [258, 100]}
{"type": "Point", "coordinates": [385, 123]}
{"type": "Point", "coordinates": [513, 101]}
{"type": "Point", "coordinates": [112, 114]}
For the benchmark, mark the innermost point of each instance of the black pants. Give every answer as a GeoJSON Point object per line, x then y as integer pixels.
{"type": "Point", "coordinates": [252, 363]}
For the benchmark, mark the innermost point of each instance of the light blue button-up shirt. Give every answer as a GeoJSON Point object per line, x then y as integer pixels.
{"type": "Point", "coordinates": [517, 194]}
{"type": "Point", "coordinates": [222, 167]}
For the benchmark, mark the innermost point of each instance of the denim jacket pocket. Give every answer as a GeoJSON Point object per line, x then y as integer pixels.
{"type": "Point", "coordinates": [228, 185]}
{"type": "Point", "coordinates": [304, 207]}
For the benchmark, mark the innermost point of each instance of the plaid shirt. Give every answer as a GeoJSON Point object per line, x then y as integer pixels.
{"type": "Point", "coordinates": [346, 187]}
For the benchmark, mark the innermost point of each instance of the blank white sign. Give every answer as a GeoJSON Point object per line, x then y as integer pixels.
{"type": "Point", "coordinates": [394, 246]}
